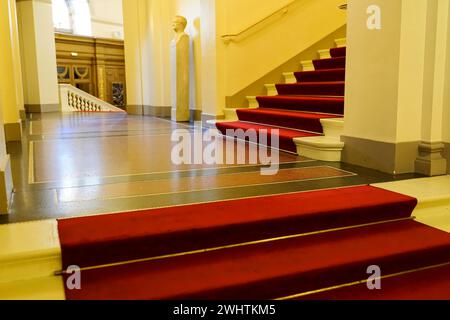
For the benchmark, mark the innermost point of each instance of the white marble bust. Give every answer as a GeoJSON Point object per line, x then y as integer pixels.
{"type": "Point", "coordinates": [179, 25]}
{"type": "Point", "coordinates": [180, 71]}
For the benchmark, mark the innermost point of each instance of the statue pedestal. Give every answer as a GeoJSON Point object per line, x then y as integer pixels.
{"type": "Point", "coordinates": [179, 54]}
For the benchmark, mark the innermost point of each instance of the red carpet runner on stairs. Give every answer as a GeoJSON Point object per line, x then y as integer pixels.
{"type": "Point", "coordinates": [260, 248]}
{"type": "Point", "coordinates": [297, 109]}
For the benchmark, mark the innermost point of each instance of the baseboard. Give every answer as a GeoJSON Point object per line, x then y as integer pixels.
{"type": "Point", "coordinates": [392, 158]}
{"type": "Point", "coordinates": [447, 155]}
{"type": "Point", "coordinates": [13, 131]}
{"type": "Point", "coordinates": [158, 111]}
{"type": "Point", "coordinates": [196, 115]}
{"type": "Point", "coordinates": [42, 108]}
{"type": "Point", "coordinates": [135, 109]}
{"type": "Point", "coordinates": [6, 184]}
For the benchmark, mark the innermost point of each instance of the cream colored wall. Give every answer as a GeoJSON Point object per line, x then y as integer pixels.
{"type": "Point", "coordinates": [107, 18]}
{"type": "Point", "coordinates": [373, 72]}
{"type": "Point", "coordinates": [407, 61]}
{"type": "Point", "coordinates": [9, 62]}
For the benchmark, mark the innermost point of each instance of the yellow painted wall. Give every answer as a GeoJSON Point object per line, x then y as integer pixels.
{"type": "Point", "coordinates": [133, 59]}
{"type": "Point", "coordinates": [232, 67]}
{"type": "Point", "coordinates": [219, 69]}
{"type": "Point", "coordinates": [262, 51]}
{"type": "Point", "coordinates": [16, 54]}
{"type": "Point", "coordinates": [38, 52]}
{"type": "Point", "coordinates": [10, 96]}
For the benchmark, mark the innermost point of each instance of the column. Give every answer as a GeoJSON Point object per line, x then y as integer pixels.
{"type": "Point", "coordinates": [11, 82]}
{"type": "Point", "coordinates": [430, 160]}
{"type": "Point", "coordinates": [213, 66]}
{"type": "Point", "coordinates": [147, 42]}
{"type": "Point", "coordinates": [38, 55]}
{"type": "Point", "coordinates": [6, 181]}
{"type": "Point", "coordinates": [392, 86]}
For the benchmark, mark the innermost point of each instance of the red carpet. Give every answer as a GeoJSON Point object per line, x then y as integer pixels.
{"type": "Point", "coordinates": [285, 136]}
{"type": "Point", "coordinates": [332, 63]}
{"type": "Point", "coordinates": [321, 75]}
{"type": "Point", "coordinates": [430, 284]}
{"type": "Point", "coordinates": [273, 270]}
{"type": "Point", "coordinates": [97, 240]}
{"type": "Point", "coordinates": [333, 105]}
{"type": "Point", "coordinates": [336, 88]}
{"type": "Point", "coordinates": [338, 52]}
{"type": "Point", "coordinates": [284, 118]}
{"type": "Point", "coordinates": [263, 270]}
{"type": "Point", "coordinates": [321, 91]}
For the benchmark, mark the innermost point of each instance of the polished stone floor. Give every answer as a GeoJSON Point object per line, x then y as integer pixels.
{"type": "Point", "coordinates": [82, 164]}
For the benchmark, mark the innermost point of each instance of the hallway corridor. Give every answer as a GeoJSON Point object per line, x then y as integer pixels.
{"type": "Point", "coordinates": [82, 164]}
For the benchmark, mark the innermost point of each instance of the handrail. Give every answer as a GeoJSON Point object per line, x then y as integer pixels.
{"type": "Point", "coordinates": [227, 38]}
{"type": "Point", "coordinates": [73, 99]}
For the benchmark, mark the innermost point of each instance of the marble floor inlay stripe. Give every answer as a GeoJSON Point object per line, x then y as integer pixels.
{"type": "Point", "coordinates": [190, 184]}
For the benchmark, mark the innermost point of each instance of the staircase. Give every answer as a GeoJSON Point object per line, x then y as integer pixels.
{"type": "Point", "coordinates": [307, 110]}
{"type": "Point", "coordinates": [275, 247]}
{"type": "Point", "coordinates": [73, 99]}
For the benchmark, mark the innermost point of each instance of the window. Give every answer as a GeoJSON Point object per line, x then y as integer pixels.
{"type": "Point", "coordinates": [61, 16]}
{"type": "Point", "coordinates": [72, 16]}
{"type": "Point", "coordinates": [81, 17]}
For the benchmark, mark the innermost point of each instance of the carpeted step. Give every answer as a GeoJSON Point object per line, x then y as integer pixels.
{"type": "Point", "coordinates": [338, 52]}
{"type": "Point", "coordinates": [332, 63]}
{"type": "Point", "coordinates": [287, 119]}
{"type": "Point", "coordinates": [428, 284]}
{"type": "Point", "coordinates": [321, 75]}
{"type": "Point", "coordinates": [285, 136]}
{"type": "Point", "coordinates": [98, 240]}
{"type": "Point", "coordinates": [332, 88]}
{"type": "Point", "coordinates": [271, 270]}
{"type": "Point", "coordinates": [333, 105]}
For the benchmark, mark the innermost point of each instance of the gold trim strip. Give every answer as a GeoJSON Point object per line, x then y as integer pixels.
{"type": "Point", "coordinates": [308, 293]}
{"type": "Point", "coordinates": [31, 163]}
{"type": "Point", "coordinates": [244, 244]}
{"type": "Point", "coordinates": [214, 201]}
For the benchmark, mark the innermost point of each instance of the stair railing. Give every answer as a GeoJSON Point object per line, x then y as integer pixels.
{"type": "Point", "coordinates": [227, 38]}
{"type": "Point", "coordinates": [75, 100]}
